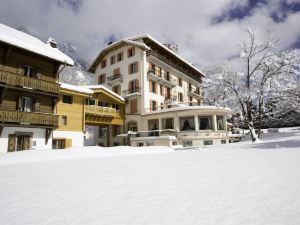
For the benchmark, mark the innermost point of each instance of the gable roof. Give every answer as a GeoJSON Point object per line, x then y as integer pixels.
{"type": "Point", "coordinates": [29, 43]}
{"type": "Point", "coordinates": [113, 46]}
{"type": "Point", "coordinates": [136, 41]}
{"type": "Point", "coordinates": [95, 88]}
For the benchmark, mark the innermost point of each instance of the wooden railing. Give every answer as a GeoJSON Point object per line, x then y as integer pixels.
{"type": "Point", "coordinates": [100, 111]}
{"type": "Point", "coordinates": [14, 79]}
{"type": "Point", "coordinates": [7, 116]}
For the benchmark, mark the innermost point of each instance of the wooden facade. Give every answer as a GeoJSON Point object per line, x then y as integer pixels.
{"type": "Point", "coordinates": [29, 91]}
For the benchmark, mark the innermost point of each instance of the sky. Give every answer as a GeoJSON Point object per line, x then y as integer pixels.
{"type": "Point", "coordinates": [207, 32]}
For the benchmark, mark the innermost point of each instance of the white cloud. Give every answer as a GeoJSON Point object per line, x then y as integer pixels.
{"type": "Point", "coordinates": [188, 23]}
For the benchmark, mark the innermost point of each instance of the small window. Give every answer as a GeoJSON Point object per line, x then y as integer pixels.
{"type": "Point", "coordinates": [133, 105]}
{"type": "Point", "coordinates": [180, 82]}
{"type": "Point", "coordinates": [26, 104]}
{"type": "Point", "coordinates": [103, 63]}
{"type": "Point", "coordinates": [180, 97]}
{"type": "Point", "coordinates": [67, 99]}
{"type": "Point", "coordinates": [64, 120]}
{"type": "Point", "coordinates": [112, 60]}
{"type": "Point", "coordinates": [153, 87]}
{"type": "Point", "coordinates": [28, 71]}
{"type": "Point", "coordinates": [153, 105]}
{"type": "Point", "coordinates": [90, 102]}
{"type": "Point", "coordinates": [208, 142]}
{"type": "Point", "coordinates": [133, 68]}
{"type": "Point", "coordinates": [141, 144]}
{"type": "Point", "coordinates": [130, 52]}
{"type": "Point", "coordinates": [223, 141]}
{"type": "Point", "coordinates": [102, 79]}
{"type": "Point", "coordinates": [120, 56]}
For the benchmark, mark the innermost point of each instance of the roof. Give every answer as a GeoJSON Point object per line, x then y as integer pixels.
{"type": "Point", "coordinates": [133, 41]}
{"type": "Point", "coordinates": [149, 37]}
{"type": "Point", "coordinates": [27, 42]}
{"type": "Point", "coordinates": [101, 87]}
{"type": "Point", "coordinates": [112, 46]}
{"type": "Point", "coordinates": [79, 89]}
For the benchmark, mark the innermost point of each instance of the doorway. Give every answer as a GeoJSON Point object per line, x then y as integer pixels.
{"type": "Point", "coordinates": [19, 142]}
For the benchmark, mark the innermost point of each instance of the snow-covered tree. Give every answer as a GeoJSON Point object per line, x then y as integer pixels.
{"type": "Point", "coordinates": [263, 70]}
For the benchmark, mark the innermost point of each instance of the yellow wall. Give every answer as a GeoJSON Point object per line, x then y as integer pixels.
{"type": "Point", "coordinates": [74, 112]}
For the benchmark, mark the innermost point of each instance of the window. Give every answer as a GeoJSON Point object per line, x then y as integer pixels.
{"type": "Point", "coordinates": [133, 86]}
{"type": "Point", "coordinates": [103, 104]}
{"type": "Point", "coordinates": [133, 68]}
{"type": "Point", "coordinates": [117, 73]}
{"type": "Point", "coordinates": [208, 142]}
{"type": "Point", "coordinates": [190, 87]}
{"type": "Point", "coordinates": [187, 143]}
{"type": "Point", "coordinates": [102, 79]}
{"type": "Point", "coordinates": [220, 122]}
{"type": "Point", "coordinates": [153, 126]}
{"type": "Point", "coordinates": [115, 106]}
{"type": "Point", "coordinates": [167, 77]}
{"type": "Point", "coordinates": [167, 123]}
{"type": "Point", "coordinates": [25, 104]}
{"type": "Point", "coordinates": [187, 123]}
{"type": "Point", "coordinates": [112, 59]}
{"type": "Point", "coordinates": [223, 141]}
{"type": "Point", "coordinates": [103, 63]}
{"type": "Point", "coordinates": [180, 82]}
{"type": "Point", "coordinates": [28, 71]}
{"type": "Point", "coordinates": [162, 90]}
{"type": "Point", "coordinates": [133, 105]}
{"type": "Point", "coordinates": [190, 100]}
{"type": "Point", "coordinates": [159, 71]}
{"type": "Point", "coordinates": [117, 89]}
{"type": "Point", "coordinates": [153, 105]}
{"type": "Point", "coordinates": [90, 102]}
{"type": "Point", "coordinates": [180, 97]}
{"type": "Point", "coordinates": [120, 56]}
{"type": "Point", "coordinates": [64, 120]}
{"type": "Point", "coordinates": [102, 131]}
{"type": "Point", "coordinates": [153, 87]}
{"type": "Point", "coordinates": [132, 126]}
{"type": "Point", "coordinates": [205, 123]}
{"type": "Point", "coordinates": [130, 52]}
{"type": "Point", "coordinates": [67, 99]}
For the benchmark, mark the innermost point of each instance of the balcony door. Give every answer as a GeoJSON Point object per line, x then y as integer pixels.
{"type": "Point", "coordinates": [23, 142]}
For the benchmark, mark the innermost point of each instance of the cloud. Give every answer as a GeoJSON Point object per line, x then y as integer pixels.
{"type": "Point", "coordinates": [90, 24]}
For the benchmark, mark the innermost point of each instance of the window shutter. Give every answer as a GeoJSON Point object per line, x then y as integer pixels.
{"type": "Point", "coordinates": [19, 106]}
{"type": "Point", "coordinates": [133, 106]}
{"type": "Point", "coordinates": [150, 86]}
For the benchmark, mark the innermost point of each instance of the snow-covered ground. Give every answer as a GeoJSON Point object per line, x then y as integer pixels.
{"type": "Point", "coordinates": [241, 183]}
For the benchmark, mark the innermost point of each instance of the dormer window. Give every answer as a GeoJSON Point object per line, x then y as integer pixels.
{"type": "Point", "coordinates": [28, 71]}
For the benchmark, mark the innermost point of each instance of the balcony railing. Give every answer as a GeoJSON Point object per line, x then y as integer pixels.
{"type": "Point", "coordinates": [196, 93]}
{"type": "Point", "coordinates": [114, 79]}
{"type": "Point", "coordinates": [162, 78]}
{"type": "Point", "coordinates": [32, 118]}
{"type": "Point", "coordinates": [100, 111]}
{"type": "Point", "coordinates": [131, 91]}
{"type": "Point", "coordinates": [170, 97]}
{"type": "Point", "coordinates": [14, 79]}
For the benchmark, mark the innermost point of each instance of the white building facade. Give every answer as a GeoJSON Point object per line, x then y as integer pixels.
{"type": "Point", "coordinates": [157, 84]}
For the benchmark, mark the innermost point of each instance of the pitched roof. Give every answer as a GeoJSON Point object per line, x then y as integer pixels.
{"type": "Point", "coordinates": [101, 87]}
{"type": "Point", "coordinates": [75, 88]}
{"type": "Point", "coordinates": [27, 42]}
{"type": "Point", "coordinates": [116, 44]}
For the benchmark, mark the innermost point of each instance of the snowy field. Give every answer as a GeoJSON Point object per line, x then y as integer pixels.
{"type": "Point", "coordinates": [242, 183]}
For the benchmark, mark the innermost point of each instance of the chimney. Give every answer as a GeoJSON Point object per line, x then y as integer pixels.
{"type": "Point", "coordinates": [52, 43]}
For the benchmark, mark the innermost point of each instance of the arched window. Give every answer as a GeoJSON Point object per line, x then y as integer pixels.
{"type": "Point", "coordinates": [132, 126]}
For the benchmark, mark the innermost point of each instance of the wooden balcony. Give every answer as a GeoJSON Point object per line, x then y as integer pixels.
{"type": "Point", "coordinates": [28, 118]}
{"type": "Point", "coordinates": [100, 111]}
{"type": "Point", "coordinates": [12, 78]}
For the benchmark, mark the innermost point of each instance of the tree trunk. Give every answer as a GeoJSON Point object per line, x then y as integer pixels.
{"type": "Point", "coordinates": [259, 116]}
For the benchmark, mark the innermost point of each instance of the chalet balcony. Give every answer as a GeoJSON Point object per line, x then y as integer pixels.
{"type": "Point", "coordinates": [14, 79]}
{"type": "Point", "coordinates": [132, 92]}
{"type": "Point", "coordinates": [114, 79]}
{"type": "Point", "coordinates": [28, 118]}
{"type": "Point", "coordinates": [95, 115]}
{"type": "Point", "coordinates": [162, 79]}
{"type": "Point", "coordinates": [100, 111]}
{"type": "Point", "coordinates": [195, 93]}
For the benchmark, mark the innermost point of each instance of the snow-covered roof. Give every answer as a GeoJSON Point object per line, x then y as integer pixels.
{"type": "Point", "coordinates": [76, 88]}
{"type": "Point", "coordinates": [25, 41]}
{"type": "Point", "coordinates": [186, 108]}
{"type": "Point", "coordinates": [99, 87]}
{"type": "Point", "coordinates": [164, 47]}
{"type": "Point", "coordinates": [115, 44]}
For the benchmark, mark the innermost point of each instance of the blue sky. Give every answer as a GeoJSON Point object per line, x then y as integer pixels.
{"type": "Point", "coordinates": [206, 31]}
